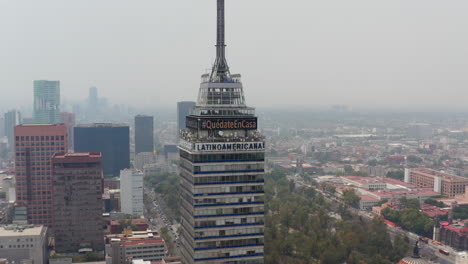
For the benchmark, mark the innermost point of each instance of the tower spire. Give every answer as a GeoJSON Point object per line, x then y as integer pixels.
{"type": "Point", "coordinates": [220, 68]}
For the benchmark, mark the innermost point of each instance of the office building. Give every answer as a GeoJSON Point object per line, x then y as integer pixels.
{"type": "Point", "coordinates": [34, 146]}
{"type": "Point", "coordinates": [149, 249]}
{"type": "Point", "coordinates": [112, 140]}
{"type": "Point", "coordinates": [69, 119]}
{"type": "Point", "coordinates": [183, 110]}
{"type": "Point", "coordinates": [443, 183]}
{"type": "Point", "coordinates": [46, 102]}
{"type": "Point", "coordinates": [11, 119]}
{"type": "Point", "coordinates": [222, 161]}
{"type": "Point", "coordinates": [131, 192]}
{"type": "Point", "coordinates": [144, 129]}
{"type": "Point", "coordinates": [77, 202]}
{"type": "Point", "coordinates": [24, 244]}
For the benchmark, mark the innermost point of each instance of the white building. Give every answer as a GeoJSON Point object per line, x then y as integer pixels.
{"type": "Point", "coordinates": [8, 187]}
{"type": "Point", "coordinates": [24, 244]}
{"type": "Point", "coordinates": [131, 192]}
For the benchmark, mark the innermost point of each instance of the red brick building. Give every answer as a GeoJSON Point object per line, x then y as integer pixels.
{"type": "Point", "coordinates": [35, 144]}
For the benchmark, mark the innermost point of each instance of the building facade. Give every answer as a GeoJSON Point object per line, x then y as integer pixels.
{"type": "Point", "coordinates": [69, 119]}
{"type": "Point", "coordinates": [123, 251]}
{"type": "Point", "coordinates": [144, 129]}
{"type": "Point", "coordinates": [24, 244]}
{"type": "Point", "coordinates": [183, 110]}
{"type": "Point", "coordinates": [46, 102]}
{"type": "Point", "coordinates": [447, 184]}
{"type": "Point", "coordinates": [131, 192]}
{"type": "Point", "coordinates": [78, 207]}
{"type": "Point", "coordinates": [11, 119]}
{"type": "Point", "coordinates": [35, 145]}
{"type": "Point", "coordinates": [222, 161]}
{"type": "Point", "coordinates": [112, 140]}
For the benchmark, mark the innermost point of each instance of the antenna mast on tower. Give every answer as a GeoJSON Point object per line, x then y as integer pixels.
{"type": "Point", "coordinates": [220, 71]}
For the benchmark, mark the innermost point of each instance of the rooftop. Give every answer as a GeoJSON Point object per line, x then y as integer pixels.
{"type": "Point", "coordinates": [142, 242]}
{"type": "Point", "coordinates": [94, 125]}
{"type": "Point", "coordinates": [21, 230]}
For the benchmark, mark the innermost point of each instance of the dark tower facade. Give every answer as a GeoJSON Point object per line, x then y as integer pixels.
{"type": "Point", "coordinates": [77, 185]}
{"type": "Point", "coordinates": [112, 140]}
{"type": "Point", "coordinates": [222, 161]}
{"type": "Point", "coordinates": [144, 128]}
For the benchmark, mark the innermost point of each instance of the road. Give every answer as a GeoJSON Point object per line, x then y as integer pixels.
{"type": "Point", "coordinates": [155, 211]}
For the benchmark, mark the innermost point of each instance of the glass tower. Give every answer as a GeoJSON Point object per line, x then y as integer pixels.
{"type": "Point", "coordinates": [46, 102]}
{"type": "Point", "coordinates": [222, 157]}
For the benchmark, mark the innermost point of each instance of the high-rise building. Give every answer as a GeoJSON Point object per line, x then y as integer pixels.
{"type": "Point", "coordinates": [144, 127]}
{"type": "Point", "coordinates": [34, 146]}
{"type": "Point", "coordinates": [222, 158]}
{"type": "Point", "coordinates": [11, 119]}
{"type": "Point", "coordinates": [112, 140]}
{"type": "Point", "coordinates": [93, 96]}
{"type": "Point", "coordinates": [24, 244]}
{"type": "Point", "coordinates": [46, 102]}
{"type": "Point", "coordinates": [183, 110]}
{"type": "Point", "coordinates": [69, 119]}
{"type": "Point", "coordinates": [131, 192]}
{"type": "Point", "coordinates": [77, 202]}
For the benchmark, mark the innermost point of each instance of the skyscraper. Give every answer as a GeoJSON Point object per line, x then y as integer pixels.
{"type": "Point", "coordinates": [46, 102]}
{"type": "Point", "coordinates": [183, 110]}
{"type": "Point", "coordinates": [11, 119]}
{"type": "Point", "coordinates": [77, 201]}
{"type": "Point", "coordinates": [35, 145]}
{"type": "Point", "coordinates": [112, 140]}
{"type": "Point", "coordinates": [144, 128]}
{"type": "Point", "coordinates": [222, 158]}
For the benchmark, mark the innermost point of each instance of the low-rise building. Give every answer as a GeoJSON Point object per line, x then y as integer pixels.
{"type": "Point", "coordinates": [24, 244]}
{"type": "Point", "coordinates": [124, 250]}
{"type": "Point", "coordinates": [454, 235]}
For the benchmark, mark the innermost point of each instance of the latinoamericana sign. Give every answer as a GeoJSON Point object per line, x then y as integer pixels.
{"type": "Point", "coordinates": [223, 146]}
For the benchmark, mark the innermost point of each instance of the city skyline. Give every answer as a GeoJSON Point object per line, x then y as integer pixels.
{"type": "Point", "coordinates": [351, 53]}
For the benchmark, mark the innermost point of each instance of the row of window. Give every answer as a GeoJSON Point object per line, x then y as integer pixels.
{"type": "Point", "coordinates": [27, 144]}
{"type": "Point", "coordinates": [232, 253]}
{"type": "Point", "coordinates": [229, 243]}
{"type": "Point", "coordinates": [39, 138]}
{"type": "Point", "coordinates": [223, 157]}
{"type": "Point", "coordinates": [229, 189]}
{"type": "Point", "coordinates": [227, 211]}
{"type": "Point", "coordinates": [38, 153]}
{"type": "Point", "coordinates": [247, 199]}
{"type": "Point", "coordinates": [230, 221]}
{"type": "Point", "coordinates": [229, 232]}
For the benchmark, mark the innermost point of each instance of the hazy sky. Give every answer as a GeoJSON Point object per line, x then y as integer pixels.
{"type": "Point", "coordinates": [290, 52]}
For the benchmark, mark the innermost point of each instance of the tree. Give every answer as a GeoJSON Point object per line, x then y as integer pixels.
{"type": "Point", "coordinates": [414, 159]}
{"type": "Point", "coordinates": [399, 175]}
{"type": "Point", "coordinates": [434, 202]}
{"type": "Point", "coordinates": [351, 198]}
{"type": "Point", "coordinates": [409, 203]}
